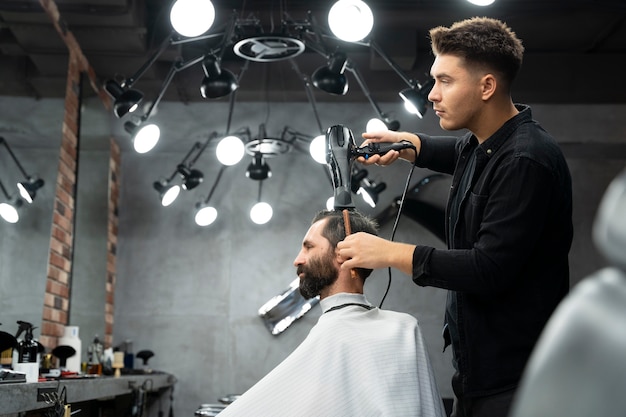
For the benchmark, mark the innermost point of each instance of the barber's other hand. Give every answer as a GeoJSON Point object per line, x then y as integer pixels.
{"type": "Point", "coordinates": [389, 136]}
{"type": "Point", "coordinates": [364, 250]}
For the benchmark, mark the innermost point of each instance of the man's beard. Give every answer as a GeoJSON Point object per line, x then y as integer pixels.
{"type": "Point", "coordinates": [319, 273]}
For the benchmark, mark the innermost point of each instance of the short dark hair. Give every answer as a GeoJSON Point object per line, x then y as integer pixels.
{"type": "Point", "coordinates": [483, 42]}
{"type": "Point", "coordinates": [334, 230]}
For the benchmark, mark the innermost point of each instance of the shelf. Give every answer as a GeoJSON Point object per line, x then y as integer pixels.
{"type": "Point", "coordinates": [20, 397]}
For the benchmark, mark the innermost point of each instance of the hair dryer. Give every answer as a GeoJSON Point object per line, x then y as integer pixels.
{"type": "Point", "coordinates": [341, 152]}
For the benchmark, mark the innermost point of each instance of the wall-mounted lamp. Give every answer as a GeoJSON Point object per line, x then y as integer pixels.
{"type": "Point", "coordinates": [27, 189]}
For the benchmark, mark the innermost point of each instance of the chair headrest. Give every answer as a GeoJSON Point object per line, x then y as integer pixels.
{"type": "Point", "coordinates": [609, 229]}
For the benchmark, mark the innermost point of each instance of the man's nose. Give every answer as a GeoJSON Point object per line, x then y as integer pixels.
{"type": "Point", "coordinates": [299, 260]}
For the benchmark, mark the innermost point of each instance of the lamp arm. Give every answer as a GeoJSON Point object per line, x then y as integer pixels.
{"type": "Point", "coordinates": [355, 71]}
{"type": "Point", "coordinates": [142, 70]}
{"type": "Point", "coordinates": [201, 149]}
{"type": "Point", "coordinates": [176, 67]}
{"type": "Point", "coordinates": [233, 96]}
{"type": "Point", "coordinates": [411, 83]}
{"type": "Point", "coordinates": [217, 180]}
{"type": "Point", "coordinates": [6, 145]}
{"type": "Point", "coordinates": [309, 93]}
{"type": "Point", "coordinates": [4, 191]}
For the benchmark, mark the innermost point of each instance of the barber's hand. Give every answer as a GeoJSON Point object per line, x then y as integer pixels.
{"type": "Point", "coordinates": [390, 157]}
{"type": "Point", "coordinates": [364, 250]}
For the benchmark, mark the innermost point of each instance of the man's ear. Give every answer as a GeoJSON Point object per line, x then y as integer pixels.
{"type": "Point", "coordinates": [488, 84]}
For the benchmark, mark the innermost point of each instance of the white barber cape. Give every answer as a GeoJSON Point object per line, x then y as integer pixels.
{"type": "Point", "coordinates": [355, 362]}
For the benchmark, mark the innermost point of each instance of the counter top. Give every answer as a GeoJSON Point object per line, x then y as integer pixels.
{"type": "Point", "coordinates": [19, 397]}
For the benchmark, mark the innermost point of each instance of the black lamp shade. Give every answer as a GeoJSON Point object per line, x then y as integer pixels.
{"type": "Point", "coordinates": [28, 189]}
{"type": "Point", "coordinates": [331, 78]}
{"type": "Point", "coordinates": [418, 98]}
{"type": "Point", "coordinates": [217, 82]}
{"type": "Point", "coordinates": [191, 177]}
{"type": "Point", "coordinates": [126, 101]}
{"type": "Point", "coordinates": [258, 168]}
{"type": "Point", "coordinates": [330, 82]}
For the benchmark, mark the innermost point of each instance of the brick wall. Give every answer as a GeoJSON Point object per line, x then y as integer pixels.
{"type": "Point", "coordinates": [57, 304]}
{"type": "Point", "coordinates": [114, 183]}
{"type": "Point", "coordinates": [58, 282]}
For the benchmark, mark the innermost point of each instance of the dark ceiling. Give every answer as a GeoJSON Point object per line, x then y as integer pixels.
{"type": "Point", "coordinates": [575, 49]}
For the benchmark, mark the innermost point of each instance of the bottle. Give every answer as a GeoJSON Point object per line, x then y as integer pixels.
{"type": "Point", "coordinates": [70, 338]}
{"type": "Point", "coordinates": [27, 350]}
{"type": "Point", "coordinates": [95, 356]}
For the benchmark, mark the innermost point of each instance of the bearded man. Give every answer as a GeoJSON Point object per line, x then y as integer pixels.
{"type": "Point", "coordinates": [358, 360]}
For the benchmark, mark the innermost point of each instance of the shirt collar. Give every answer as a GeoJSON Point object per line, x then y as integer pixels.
{"type": "Point", "coordinates": [495, 141]}
{"type": "Point", "coordinates": [342, 298]}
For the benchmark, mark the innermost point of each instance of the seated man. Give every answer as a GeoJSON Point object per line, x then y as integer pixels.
{"type": "Point", "coordinates": [357, 360]}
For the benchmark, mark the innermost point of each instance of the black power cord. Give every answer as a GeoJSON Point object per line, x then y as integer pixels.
{"type": "Point", "coordinates": [397, 220]}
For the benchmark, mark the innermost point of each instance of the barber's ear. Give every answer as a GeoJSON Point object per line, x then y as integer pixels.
{"type": "Point", "coordinates": [488, 85]}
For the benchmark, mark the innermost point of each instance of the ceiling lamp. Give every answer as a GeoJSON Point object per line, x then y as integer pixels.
{"type": "Point", "coordinates": [125, 100]}
{"type": "Point", "coordinates": [258, 168]}
{"type": "Point", "coordinates": [217, 82]}
{"type": "Point", "coordinates": [375, 125]}
{"type": "Point", "coordinates": [416, 99]}
{"type": "Point", "coordinates": [350, 20]}
{"type": "Point", "coordinates": [331, 78]}
{"type": "Point", "coordinates": [192, 17]}
{"type": "Point", "coordinates": [144, 136]}
{"type": "Point", "coordinates": [369, 190]}
{"type": "Point", "coordinates": [168, 193]}
{"type": "Point", "coordinates": [191, 177]}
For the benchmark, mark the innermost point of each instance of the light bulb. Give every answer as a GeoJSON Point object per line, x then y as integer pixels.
{"type": "Point", "coordinates": [317, 149]}
{"type": "Point", "coordinates": [206, 216]}
{"type": "Point", "coordinates": [9, 213]}
{"type": "Point", "coordinates": [170, 195]}
{"type": "Point", "coordinates": [330, 203]}
{"type": "Point", "coordinates": [375, 125]}
{"type": "Point", "coordinates": [481, 2]}
{"type": "Point", "coordinates": [146, 138]}
{"type": "Point", "coordinates": [261, 213]}
{"type": "Point", "coordinates": [230, 150]}
{"type": "Point", "coordinates": [350, 20]}
{"type": "Point", "coordinates": [192, 17]}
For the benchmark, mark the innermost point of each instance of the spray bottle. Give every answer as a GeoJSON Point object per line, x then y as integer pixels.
{"type": "Point", "coordinates": [27, 349]}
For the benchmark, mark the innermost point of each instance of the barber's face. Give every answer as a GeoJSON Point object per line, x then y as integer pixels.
{"type": "Point", "coordinates": [457, 94]}
{"type": "Point", "coordinates": [316, 263]}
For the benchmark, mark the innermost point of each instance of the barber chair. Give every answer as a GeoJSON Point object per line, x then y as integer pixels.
{"type": "Point", "coordinates": [578, 367]}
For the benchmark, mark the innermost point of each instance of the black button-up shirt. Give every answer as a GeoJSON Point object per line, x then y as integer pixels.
{"type": "Point", "coordinates": [506, 268]}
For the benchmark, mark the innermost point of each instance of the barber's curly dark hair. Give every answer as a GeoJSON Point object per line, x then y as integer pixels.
{"type": "Point", "coordinates": [334, 230]}
{"type": "Point", "coordinates": [483, 42]}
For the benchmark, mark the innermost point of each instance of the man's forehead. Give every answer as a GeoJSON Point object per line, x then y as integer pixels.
{"type": "Point", "coordinates": [314, 234]}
